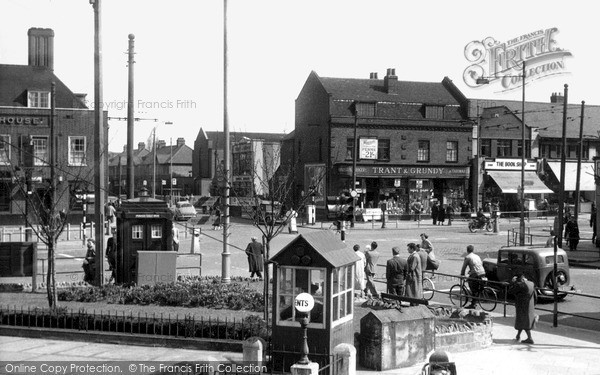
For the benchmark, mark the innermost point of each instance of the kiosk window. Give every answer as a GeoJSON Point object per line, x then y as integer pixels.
{"type": "Point", "coordinates": [293, 281]}
{"type": "Point", "coordinates": [342, 292]}
{"type": "Point", "coordinates": [137, 232]}
{"type": "Point", "coordinates": [156, 231]}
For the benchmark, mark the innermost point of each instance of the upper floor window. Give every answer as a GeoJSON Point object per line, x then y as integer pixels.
{"type": "Point", "coordinates": [77, 149]}
{"type": "Point", "coordinates": [38, 99]}
{"type": "Point", "coordinates": [365, 109]}
{"type": "Point", "coordinates": [452, 151]}
{"type": "Point", "coordinates": [349, 149]}
{"type": "Point", "coordinates": [434, 111]}
{"type": "Point", "coordinates": [4, 149]}
{"type": "Point", "coordinates": [504, 148]}
{"type": "Point", "coordinates": [40, 150]}
{"type": "Point", "coordinates": [383, 149]}
{"type": "Point", "coordinates": [520, 149]}
{"type": "Point", "coordinates": [486, 148]}
{"type": "Point", "coordinates": [423, 151]}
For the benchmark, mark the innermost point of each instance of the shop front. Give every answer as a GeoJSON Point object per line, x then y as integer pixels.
{"type": "Point", "coordinates": [399, 187]}
{"type": "Point", "coordinates": [502, 183]}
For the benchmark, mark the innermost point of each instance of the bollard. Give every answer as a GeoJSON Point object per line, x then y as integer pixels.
{"type": "Point", "coordinates": [343, 231]}
{"type": "Point", "coordinates": [195, 240]}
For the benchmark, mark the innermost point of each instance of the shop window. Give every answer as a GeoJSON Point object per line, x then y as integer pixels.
{"type": "Point", "coordinates": [423, 151]}
{"type": "Point", "coordinates": [156, 231]}
{"type": "Point", "coordinates": [503, 148]}
{"type": "Point", "coordinates": [38, 99]}
{"type": "Point", "coordinates": [293, 281]}
{"type": "Point", "coordinates": [40, 151]}
{"type": "Point", "coordinates": [486, 148]}
{"type": "Point", "coordinates": [383, 149]}
{"type": "Point", "coordinates": [4, 197]}
{"type": "Point", "coordinates": [5, 150]}
{"type": "Point", "coordinates": [342, 293]}
{"type": "Point", "coordinates": [451, 151]}
{"type": "Point", "coordinates": [137, 232]}
{"type": "Point", "coordinates": [77, 147]}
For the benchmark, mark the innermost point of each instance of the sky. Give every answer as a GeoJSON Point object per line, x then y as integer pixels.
{"type": "Point", "coordinates": [273, 45]}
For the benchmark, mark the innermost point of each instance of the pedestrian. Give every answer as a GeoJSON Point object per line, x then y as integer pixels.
{"type": "Point", "coordinates": [431, 263]}
{"type": "Point", "coordinates": [441, 215]}
{"type": "Point", "coordinates": [449, 213]}
{"type": "Point", "coordinates": [572, 233]}
{"type": "Point", "coordinates": [217, 221]}
{"type": "Point", "coordinates": [175, 235]}
{"type": "Point", "coordinates": [550, 240]}
{"type": "Point", "coordinates": [414, 276]}
{"type": "Point", "coordinates": [417, 208]}
{"type": "Point", "coordinates": [425, 243]}
{"type": "Point", "coordinates": [359, 275]}
{"type": "Point", "coordinates": [435, 212]}
{"type": "Point", "coordinates": [395, 273]}
{"type": "Point", "coordinates": [291, 216]}
{"type": "Point", "coordinates": [111, 258]}
{"type": "Point", "coordinates": [593, 222]}
{"type": "Point", "coordinates": [371, 258]}
{"type": "Point", "coordinates": [254, 251]}
{"type": "Point", "coordinates": [476, 273]}
{"type": "Point", "coordinates": [525, 298]}
{"type": "Point", "coordinates": [89, 262]}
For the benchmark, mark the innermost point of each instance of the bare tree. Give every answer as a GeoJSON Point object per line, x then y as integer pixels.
{"type": "Point", "coordinates": [270, 203]}
{"type": "Point", "coordinates": [46, 208]}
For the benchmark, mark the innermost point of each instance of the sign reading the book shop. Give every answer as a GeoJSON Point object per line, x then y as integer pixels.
{"type": "Point", "coordinates": [368, 148]}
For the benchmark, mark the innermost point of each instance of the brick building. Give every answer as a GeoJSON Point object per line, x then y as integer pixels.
{"type": "Point", "coordinates": [413, 141]}
{"type": "Point", "coordinates": [25, 113]}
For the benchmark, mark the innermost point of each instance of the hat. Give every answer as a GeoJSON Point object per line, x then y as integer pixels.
{"type": "Point", "coordinates": [254, 238]}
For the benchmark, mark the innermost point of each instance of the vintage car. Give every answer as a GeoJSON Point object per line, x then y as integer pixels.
{"type": "Point", "coordinates": [183, 210]}
{"type": "Point", "coordinates": [536, 263]}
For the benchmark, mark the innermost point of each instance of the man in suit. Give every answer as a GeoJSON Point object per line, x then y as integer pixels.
{"type": "Point", "coordinates": [396, 273]}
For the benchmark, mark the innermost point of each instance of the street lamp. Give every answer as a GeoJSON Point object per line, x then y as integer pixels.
{"type": "Point", "coordinates": [521, 190]}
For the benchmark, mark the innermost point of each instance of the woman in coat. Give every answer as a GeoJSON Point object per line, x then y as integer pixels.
{"type": "Point", "coordinates": [525, 317]}
{"type": "Point", "coordinates": [414, 276]}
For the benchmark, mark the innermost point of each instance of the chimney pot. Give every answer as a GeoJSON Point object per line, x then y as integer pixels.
{"type": "Point", "coordinates": [390, 82]}
{"type": "Point", "coordinates": [141, 146]}
{"type": "Point", "coordinates": [180, 141]}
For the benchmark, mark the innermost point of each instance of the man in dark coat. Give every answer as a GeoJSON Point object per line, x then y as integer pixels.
{"type": "Point", "coordinates": [435, 209]}
{"type": "Point", "coordinates": [572, 233]}
{"type": "Point", "coordinates": [525, 318]}
{"type": "Point", "coordinates": [396, 273]}
{"type": "Point", "coordinates": [254, 250]}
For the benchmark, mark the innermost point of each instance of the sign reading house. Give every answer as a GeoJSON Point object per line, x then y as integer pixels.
{"type": "Point", "coordinates": [502, 62]}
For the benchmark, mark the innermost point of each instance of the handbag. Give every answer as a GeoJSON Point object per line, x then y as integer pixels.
{"type": "Point", "coordinates": [432, 264]}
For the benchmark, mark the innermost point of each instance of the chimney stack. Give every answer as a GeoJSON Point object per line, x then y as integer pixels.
{"type": "Point", "coordinates": [41, 47]}
{"type": "Point", "coordinates": [141, 146]}
{"type": "Point", "coordinates": [557, 97]}
{"type": "Point", "coordinates": [373, 75]}
{"type": "Point", "coordinates": [390, 82]}
{"type": "Point", "coordinates": [180, 141]}
{"type": "Point", "coordinates": [161, 143]}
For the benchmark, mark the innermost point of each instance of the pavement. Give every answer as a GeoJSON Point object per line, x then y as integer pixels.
{"type": "Point", "coordinates": [557, 350]}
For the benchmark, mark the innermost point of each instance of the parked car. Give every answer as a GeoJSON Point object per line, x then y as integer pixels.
{"type": "Point", "coordinates": [183, 210]}
{"type": "Point", "coordinates": [536, 263]}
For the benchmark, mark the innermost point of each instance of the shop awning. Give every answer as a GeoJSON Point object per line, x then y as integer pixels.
{"type": "Point", "coordinates": [586, 181]}
{"type": "Point", "coordinates": [509, 181]}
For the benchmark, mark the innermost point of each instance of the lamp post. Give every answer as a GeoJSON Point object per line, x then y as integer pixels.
{"type": "Point", "coordinates": [521, 190]}
{"type": "Point", "coordinates": [354, 148]}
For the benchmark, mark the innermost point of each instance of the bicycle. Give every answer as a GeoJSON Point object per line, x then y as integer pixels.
{"type": "Point", "coordinates": [428, 288]}
{"type": "Point", "coordinates": [487, 298]}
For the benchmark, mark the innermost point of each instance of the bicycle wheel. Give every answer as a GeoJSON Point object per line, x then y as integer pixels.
{"type": "Point", "coordinates": [488, 299]}
{"type": "Point", "coordinates": [458, 295]}
{"type": "Point", "coordinates": [428, 289]}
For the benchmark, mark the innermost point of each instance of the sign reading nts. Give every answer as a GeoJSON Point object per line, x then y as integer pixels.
{"type": "Point", "coordinates": [304, 302]}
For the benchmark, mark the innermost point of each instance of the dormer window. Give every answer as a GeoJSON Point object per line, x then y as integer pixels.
{"type": "Point", "coordinates": [38, 99]}
{"type": "Point", "coordinates": [365, 109]}
{"type": "Point", "coordinates": [434, 111]}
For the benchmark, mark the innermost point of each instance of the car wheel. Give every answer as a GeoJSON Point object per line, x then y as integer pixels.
{"type": "Point", "coordinates": [561, 278]}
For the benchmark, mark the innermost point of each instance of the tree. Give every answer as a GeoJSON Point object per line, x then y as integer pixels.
{"type": "Point", "coordinates": [46, 208]}
{"type": "Point", "coordinates": [270, 200]}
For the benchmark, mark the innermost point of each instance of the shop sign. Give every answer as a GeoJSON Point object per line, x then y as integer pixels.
{"type": "Point", "coordinates": [21, 120]}
{"type": "Point", "coordinates": [509, 164]}
{"type": "Point", "coordinates": [368, 148]}
{"type": "Point", "coordinates": [408, 171]}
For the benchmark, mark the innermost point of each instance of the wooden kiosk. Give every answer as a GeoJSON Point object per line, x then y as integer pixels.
{"type": "Point", "coordinates": [144, 224]}
{"type": "Point", "coordinates": [320, 264]}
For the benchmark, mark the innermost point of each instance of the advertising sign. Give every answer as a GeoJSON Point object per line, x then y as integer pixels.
{"type": "Point", "coordinates": [368, 148]}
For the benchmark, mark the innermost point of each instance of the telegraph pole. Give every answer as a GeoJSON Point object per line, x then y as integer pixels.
{"type": "Point", "coordinates": [226, 260]}
{"type": "Point", "coordinates": [579, 156]}
{"type": "Point", "coordinates": [99, 147]}
{"type": "Point", "coordinates": [130, 119]}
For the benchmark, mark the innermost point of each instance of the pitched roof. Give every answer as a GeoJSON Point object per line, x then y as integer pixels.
{"type": "Point", "coordinates": [373, 90]}
{"type": "Point", "coordinates": [181, 154]}
{"type": "Point", "coordinates": [548, 117]}
{"type": "Point", "coordinates": [328, 245]}
{"type": "Point", "coordinates": [16, 80]}
{"type": "Point", "coordinates": [138, 156]}
{"type": "Point", "coordinates": [218, 137]}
